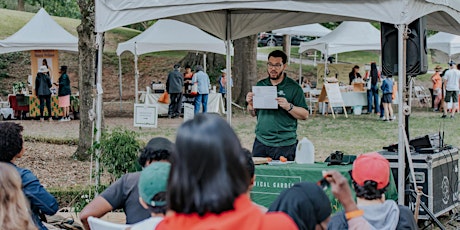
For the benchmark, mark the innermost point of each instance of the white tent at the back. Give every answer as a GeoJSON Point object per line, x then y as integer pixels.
{"type": "Point", "coordinates": [40, 33]}
{"type": "Point", "coordinates": [348, 36]}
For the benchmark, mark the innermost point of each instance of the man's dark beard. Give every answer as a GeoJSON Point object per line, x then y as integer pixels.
{"type": "Point", "coordinates": [277, 76]}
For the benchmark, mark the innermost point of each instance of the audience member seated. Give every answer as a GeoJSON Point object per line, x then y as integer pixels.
{"type": "Point", "coordinates": [306, 203]}
{"type": "Point", "coordinates": [208, 183]}
{"type": "Point", "coordinates": [370, 175]}
{"type": "Point", "coordinates": [152, 190]}
{"type": "Point", "coordinates": [124, 193]}
{"type": "Point", "coordinates": [251, 169]}
{"type": "Point", "coordinates": [12, 148]}
{"type": "Point", "coordinates": [14, 212]}
{"type": "Point", "coordinates": [310, 208]}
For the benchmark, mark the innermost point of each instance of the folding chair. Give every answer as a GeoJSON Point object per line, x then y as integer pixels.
{"type": "Point", "coordinates": [98, 224]}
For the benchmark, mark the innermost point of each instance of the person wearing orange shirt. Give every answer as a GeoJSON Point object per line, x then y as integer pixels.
{"type": "Point", "coordinates": [437, 87]}
{"type": "Point", "coordinates": [208, 182]}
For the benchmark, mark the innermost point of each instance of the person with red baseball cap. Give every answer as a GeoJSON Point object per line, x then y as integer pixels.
{"type": "Point", "coordinates": [370, 175]}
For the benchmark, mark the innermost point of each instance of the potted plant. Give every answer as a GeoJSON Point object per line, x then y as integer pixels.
{"type": "Point", "coordinates": [19, 87]}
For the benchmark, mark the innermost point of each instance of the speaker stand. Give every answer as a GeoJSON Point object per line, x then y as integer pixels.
{"type": "Point", "coordinates": [433, 218]}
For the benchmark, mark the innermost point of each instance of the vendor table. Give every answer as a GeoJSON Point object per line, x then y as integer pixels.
{"type": "Point", "coordinates": [272, 179]}
{"type": "Point", "coordinates": [31, 104]}
{"type": "Point", "coordinates": [215, 103]}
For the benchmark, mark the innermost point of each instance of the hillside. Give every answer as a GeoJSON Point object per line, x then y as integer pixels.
{"type": "Point", "coordinates": [16, 66]}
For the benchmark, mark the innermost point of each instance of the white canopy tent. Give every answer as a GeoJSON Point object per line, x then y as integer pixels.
{"type": "Point", "coordinates": [238, 18]}
{"type": "Point", "coordinates": [348, 36]}
{"type": "Point", "coordinates": [40, 33]}
{"type": "Point", "coordinates": [312, 30]}
{"type": "Point", "coordinates": [447, 43]}
{"type": "Point", "coordinates": [167, 34]}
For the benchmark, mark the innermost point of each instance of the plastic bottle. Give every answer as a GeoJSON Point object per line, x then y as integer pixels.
{"type": "Point", "coordinates": [305, 152]}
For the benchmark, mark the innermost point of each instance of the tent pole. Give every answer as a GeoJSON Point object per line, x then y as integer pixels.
{"type": "Point", "coordinates": [314, 59]}
{"type": "Point", "coordinates": [401, 86]}
{"type": "Point", "coordinates": [228, 64]}
{"type": "Point", "coordinates": [204, 62]}
{"type": "Point", "coordinates": [120, 81]}
{"type": "Point", "coordinates": [136, 75]}
{"type": "Point", "coordinates": [300, 69]}
{"type": "Point", "coordinates": [99, 91]}
{"type": "Point", "coordinates": [288, 48]}
{"type": "Point", "coordinates": [336, 58]}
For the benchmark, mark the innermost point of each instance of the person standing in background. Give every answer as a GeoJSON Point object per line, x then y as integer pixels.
{"type": "Point", "coordinates": [373, 89]}
{"type": "Point", "coordinates": [223, 84]}
{"type": "Point", "coordinates": [42, 90]}
{"type": "Point", "coordinates": [452, 85]}
{"type": "Point", "coordinates": [202, 79]}
{"type": "Point", "coordinates": [437, 87]}
{"type": "Point", "coordinates": [354, 74]}
{"type": "Point", "coordinates": [188, 75]}
{"type": "Point", "coordinates": [64, 93]}
{"type": "Point", "coordinates": [174, 88]}
{"type": "Point", "coordinates": [387, 89]}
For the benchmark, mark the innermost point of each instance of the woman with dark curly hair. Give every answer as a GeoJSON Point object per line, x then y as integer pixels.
{"type": "Point", "coordinates": [12, 148]}
{"type": "Point", "coordinates": [209, 181]}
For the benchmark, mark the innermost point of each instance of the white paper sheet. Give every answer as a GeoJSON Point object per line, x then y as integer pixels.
{"type": "Point", "coordinates": [264, 97]}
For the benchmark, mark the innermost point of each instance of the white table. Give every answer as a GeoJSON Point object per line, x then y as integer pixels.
{"type": "Point", "coordinates": [215, 103]}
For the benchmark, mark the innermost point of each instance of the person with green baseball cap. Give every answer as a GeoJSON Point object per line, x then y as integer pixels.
{"type": "Point", "coordinates": [152, 185]}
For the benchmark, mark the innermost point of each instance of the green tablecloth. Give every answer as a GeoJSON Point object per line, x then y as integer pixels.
{"type": "Point", "coordinates": [271, 180]}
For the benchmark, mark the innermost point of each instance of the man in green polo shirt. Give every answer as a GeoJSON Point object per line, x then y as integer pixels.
{"type": "Point", "coordinates": [276, 128]}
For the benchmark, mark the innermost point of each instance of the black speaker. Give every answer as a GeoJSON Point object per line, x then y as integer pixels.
{"type": "Point", "coordinates": [416, 50]}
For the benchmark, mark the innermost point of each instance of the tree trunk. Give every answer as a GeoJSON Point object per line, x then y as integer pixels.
{"type": "Point", "coordinates": [21, 5]}
{"type": "Point", "coordinates": [287, 46]}
{"type": "Point", "coordinates": [244, 67]}
{"type": "Point", "coordinates": [86, 69]}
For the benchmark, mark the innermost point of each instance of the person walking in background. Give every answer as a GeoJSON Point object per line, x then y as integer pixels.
{"type": "Point", "coordinates": [387, 98]}
{"type": "Point", "coordinates": [174, 88]}
{"type": "Point", "coordinates": [12, 148]}
{"type": "Point", "coordinates": [437, 87]}
{"type": "Point", "coordinates": [276, 129]}
{"type": "Point", "coordinates": [202, 79]}
{"type": "Point", "coordinates": [64, 92]}
{"type": "Point", "coordinates": [452, 86]}
{"type": "Point", "coordinates": [42, 90]}
{"type": "Point", "coordinates": [188, 75]}
{"type": "Point", "coordinates": [14, 208]}
{"type": "Point", "coordinates": [373, 77]}
{"type": "Point", "coordinates": [354, 74]}
{"type": "Point", "coordinates": [223, 84]}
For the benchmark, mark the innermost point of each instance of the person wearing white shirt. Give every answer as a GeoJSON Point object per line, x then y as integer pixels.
{"type": "Point", "coordinates": [452, 85]}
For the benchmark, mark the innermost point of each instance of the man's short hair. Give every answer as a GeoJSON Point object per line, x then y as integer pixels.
{"type": "Point", "coordinates": [157, 149]}
{"type": "Point", "coordinates": [371, 175]}
{"type": "Point", "coordinates": [11, 141]}
{"type": "Point", "coordinates": [250, 163]}
{"type": "Point", "coordinates": [278, 54]}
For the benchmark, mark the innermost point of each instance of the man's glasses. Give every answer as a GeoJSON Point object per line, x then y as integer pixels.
{"type": "Point", "coordinates": [275, 66]}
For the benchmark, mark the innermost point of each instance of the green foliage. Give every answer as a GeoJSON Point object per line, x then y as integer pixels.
{"type": "Point", "coordinates": [119, 150]}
